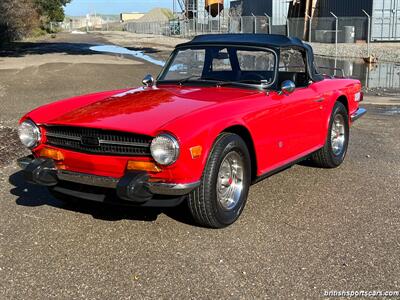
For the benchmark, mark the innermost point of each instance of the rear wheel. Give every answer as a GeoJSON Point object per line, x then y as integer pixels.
{"type": "Point", "coordinates": [334, 151]}
{"type": "Point", "coordinates": [222, 194]}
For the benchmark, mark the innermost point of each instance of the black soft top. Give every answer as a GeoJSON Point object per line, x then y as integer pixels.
{"type": "Point", "coordinates": [275, 41]}
{"type": "Point", "coordinates": [261, 40]}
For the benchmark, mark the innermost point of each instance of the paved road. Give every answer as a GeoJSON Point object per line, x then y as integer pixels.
{"type": "Point", "coordinates": [304, 230]}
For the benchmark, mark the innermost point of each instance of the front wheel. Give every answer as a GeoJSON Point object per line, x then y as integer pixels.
{"type": "Point", "coordinates": [222, 194]}
{"type": "Point", "coordinates": [334, 151]}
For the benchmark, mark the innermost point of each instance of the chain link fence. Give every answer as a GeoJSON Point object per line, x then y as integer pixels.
{"type": "Point", "coordinates": [91, 23]}
{"type": "Point", "coordinates": [323, 30]}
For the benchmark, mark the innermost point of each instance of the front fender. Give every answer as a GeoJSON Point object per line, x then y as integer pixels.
{"type": "Point", "coordinates": [191, 131]}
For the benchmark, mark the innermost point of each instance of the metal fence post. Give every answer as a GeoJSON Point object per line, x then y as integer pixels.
{"type": "Point", "coordinates": [219, 19]}
{"type": "Point", "coordinates": [336, 36]}
{"type": "Point", "coordinates": [368, 33]}
{"type": "Point", "coordinates": [309, 27]}
{"type": "Point", "coordinates": [287, 26]}
{"type": "Point", "coordinates": [254, 23]}
{"type": "Point", "coordinates": [269, 23]}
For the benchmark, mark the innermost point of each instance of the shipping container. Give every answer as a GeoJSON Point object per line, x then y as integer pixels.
{"type": "Point", "coordinates": [385, 16]}
{"type": "Point", "coordinates": [258, 8]}
{"type": "Point", "coordinates": [344, 8]}
{"type": "Point", "coordinates": [277, 9]}
{"type": "Point", "coordinates": [386, 20]}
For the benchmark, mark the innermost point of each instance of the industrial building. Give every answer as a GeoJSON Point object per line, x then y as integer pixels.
{"type": "Point", "coordinates": [385, 25]}
{"type": "Point", "coordinates": [385, 16]}
{"type": "Point", "coordinates": [199, 9]}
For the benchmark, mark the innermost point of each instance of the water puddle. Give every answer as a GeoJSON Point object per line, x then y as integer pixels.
{"type": "Point", "coordinates": [391, 111]}
{"type": "Point", "coordinates": [385, 110]}
{"type": "Point", "coordinates": [78, 32]}
{"type": "Point", "coordinates": [376, 76]}
{"type": "Point", "coordinates": [124, 51]}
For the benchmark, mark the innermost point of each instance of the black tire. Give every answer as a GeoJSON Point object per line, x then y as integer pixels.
{"type": "Point", "coordinates": [203, 202]}
{"type": "Point", "coordinates": [325, 157]}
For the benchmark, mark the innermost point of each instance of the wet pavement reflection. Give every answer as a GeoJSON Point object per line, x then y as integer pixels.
{"type": "Point", "coordinates": [383, 75]}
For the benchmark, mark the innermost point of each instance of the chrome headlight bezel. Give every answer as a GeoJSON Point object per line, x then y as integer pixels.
{"type": "Point", "coordinates": [159, 154]}
{"type": "Point", "coordinates": [29, 134]}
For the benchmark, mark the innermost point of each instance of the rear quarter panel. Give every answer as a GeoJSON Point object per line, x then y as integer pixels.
{"type": "Point", "coordinates": [331, 90]}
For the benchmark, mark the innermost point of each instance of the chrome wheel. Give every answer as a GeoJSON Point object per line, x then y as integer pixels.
{"type": "Point", "coordinates": [338, 135]}
{"type": "Point", "coordinates": [230, 180]}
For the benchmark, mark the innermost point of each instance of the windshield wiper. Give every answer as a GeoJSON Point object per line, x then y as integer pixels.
{"type": "Point", "coordinates": [243, 82]}
{"type": "Point", "coordinates": [189, 78]}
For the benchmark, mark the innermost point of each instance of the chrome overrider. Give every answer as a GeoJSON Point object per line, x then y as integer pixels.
{"type": "Point", "coordinates": [159, 188]}
{"type": "Point", "coordinates": [358, 114]}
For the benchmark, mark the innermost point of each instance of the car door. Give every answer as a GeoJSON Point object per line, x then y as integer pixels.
{"type": "Point", "coordinates": [301, 114]}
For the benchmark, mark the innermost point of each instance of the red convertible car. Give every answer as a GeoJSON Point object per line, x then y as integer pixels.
{"type": "Point", "coordinates": [226, 111]}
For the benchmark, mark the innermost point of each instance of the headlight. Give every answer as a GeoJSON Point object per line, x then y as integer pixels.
{"type": "Point", "coordinates": [29, 134]}
{"type": "Point", "coordinates": [164, 149]}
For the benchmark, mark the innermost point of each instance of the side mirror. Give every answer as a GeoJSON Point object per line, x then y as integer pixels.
{"type": "Point", "coordinates": [148, 80]}
{"type": "Point", "coordinates": [287, 87]}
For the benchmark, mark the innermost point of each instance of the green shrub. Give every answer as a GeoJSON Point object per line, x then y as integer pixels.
{"type": "Point", "coordinates": [37, 32]}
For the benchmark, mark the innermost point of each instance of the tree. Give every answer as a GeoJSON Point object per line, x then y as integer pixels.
{"type": "Point", "coordinates": [51, 10]}
{"type": "Point", "coordinates": [17, 19]}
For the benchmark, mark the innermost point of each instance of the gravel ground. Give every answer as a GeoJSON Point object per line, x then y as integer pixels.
{"type": "Point", "coordinates": [385, 52]}
{"type": "Point", "coordinates": [304, 231]}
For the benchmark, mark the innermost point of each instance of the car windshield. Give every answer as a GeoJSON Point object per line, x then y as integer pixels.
{"type": "Point", "coordinates": [221, 65]}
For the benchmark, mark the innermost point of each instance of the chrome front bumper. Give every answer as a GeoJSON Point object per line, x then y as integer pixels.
{"type": "Point", "coordinates": [159, 188]}
{"type": "Point", "coordinates": [358, 114]}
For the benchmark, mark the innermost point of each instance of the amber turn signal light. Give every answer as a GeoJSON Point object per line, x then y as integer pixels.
{"type": "Point", "coordinates": [147, 166]}
{"type": "Point", "coordinates": [52, 153]}
{"type": "Point", "coordinates": [196, 151]}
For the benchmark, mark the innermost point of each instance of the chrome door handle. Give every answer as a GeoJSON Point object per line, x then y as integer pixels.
{"type": "Point", "coordinates": [319, 100]}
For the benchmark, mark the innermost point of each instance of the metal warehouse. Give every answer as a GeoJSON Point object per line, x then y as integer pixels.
{"type": "Point", "coordinates": [385, 15]}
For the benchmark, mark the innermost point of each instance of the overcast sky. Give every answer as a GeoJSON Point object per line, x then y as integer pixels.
{"type": "Point", "coordinates": [82, 7]}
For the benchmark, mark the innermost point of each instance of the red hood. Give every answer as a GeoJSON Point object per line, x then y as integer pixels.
{"type": "Point", "coordinates": [139, 110]}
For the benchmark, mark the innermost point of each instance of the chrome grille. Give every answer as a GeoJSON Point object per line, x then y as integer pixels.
{"type": "Point", "coordinates": [107, 142]}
